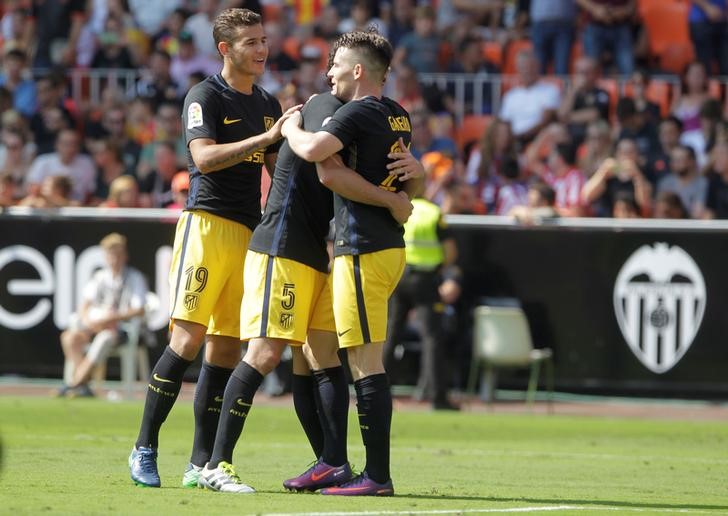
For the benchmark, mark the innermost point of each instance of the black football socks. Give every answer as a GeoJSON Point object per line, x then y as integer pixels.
{"type": "Point", "coordinates": [238, 399]}
{"type": "Point", "coordinates": [207, 405]}
{"type": "Point", "coordinates": [162, 391]}
{"type": "Point", "coordinates": [333, 392]}
{"type": "Point", "coordinates": [374, 408]}
{"type": "Point", "coordinates": [304, 401]}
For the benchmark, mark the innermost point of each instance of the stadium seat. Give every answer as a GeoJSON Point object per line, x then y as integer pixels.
{"type": "Point", "coordinates": [511, 51]}
{"type": "Point", "coordinates": [471, 129]}
{"type": "Point", "coordinates": [502, 339]}
{"type": "Point", "coordinates": [493, 53]}
{"type": "Point", "coordinates": [668, 32]}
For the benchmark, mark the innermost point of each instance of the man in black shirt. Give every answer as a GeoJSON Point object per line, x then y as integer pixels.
{"type": "Point", "coordinates": [368, 245]}
{"type": "Point", "coordinates": [231, 131]}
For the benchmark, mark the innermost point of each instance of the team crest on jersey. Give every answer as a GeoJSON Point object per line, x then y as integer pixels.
{"type": "Point", "coordinates": [191, 301]}
{"type": "Point", "coordinates": [286, 320]}
{"type": "Point", "coordinates": [659, 302]}
{"type": "Point", "coordinates": [269, 121]}
{"type": "Point", "coordinates": [194, 115]}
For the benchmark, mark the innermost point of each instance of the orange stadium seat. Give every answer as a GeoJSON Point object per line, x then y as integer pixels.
{"type": "Point", "coordinates": [715, 89]}
{"type": "Point", "coordinates": [471, 129]}
{"type": "Point", "coordinates": [493, 53]}
{"type": "Point", "coordinates": [511, 51]}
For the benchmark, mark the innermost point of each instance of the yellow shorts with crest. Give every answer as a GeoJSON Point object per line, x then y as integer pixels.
{"type": "Point", "coordinates": [362, 285]}
{"type": "Point", "coordinates": [284, 299]}
{"type": "Point", "coordinates": [206, 276]}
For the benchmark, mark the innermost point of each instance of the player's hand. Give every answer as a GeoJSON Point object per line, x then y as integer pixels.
{"type": "Point", "coordinates": [293, 113]}
{"type": "Point", "coordinates": [405, 166]}
{"type": "Point", "coordinates": [401, 207]}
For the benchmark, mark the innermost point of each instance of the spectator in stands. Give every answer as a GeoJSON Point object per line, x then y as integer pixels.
{"type": "Point", "coordinates": [553, 23]}
{"type": "Point", "coordinates": [668, 205]}
{"type": "Point", "coordinates": [17, 79]}
{"type": "Point", "coordinates": [669, 137]}
{"type": "Point", "coordinates": [709, 32]}
{"type": "Point", "coordinates": [278, 59]}
{"type": "Point", "coordinates": [8, 189]}
{"type": "Point", "coordinates": [51, 115]}
{"type": "Point", "coordinates": [14, 26]}
{"type": "Point", "coordinates": [200, 26]}
{"type": "Point", "coordinates": [423, 139]}
{"type": "Point", "coordinates": [189, 60]}
{"type": "Point", "coordinates": [113, 127]}
{"type": "Point", "coordinates": [167, 38]}
{"type": "Point", "coordinates": [596, 148]}
{"type": "Point", "coordinates": [625, 206]}
{"type": "Point", "coordinates": [686, 181]}
{"type": "Point", "coordinates": [469, 60]}
{"type": "Point", "coordinates": [703, 139]}
{"type": "Point", "coordinates": [510, 190]}
{"type": "Point", "coordinates": [67, 161]}
{"type": "Point", "coordinates": [408, 91]}
{"type": "Point", "coordinates": [156, 82]}
{"type": "Point", "coordinates": [327, 24]}
{"type": "Point", "coordinates": [635, 126]}
{"type": "Point", "coordinates": [484, 168]}
{"type": "Point", "coordinates": [541, 205]}
{"type": "Point", "coordinates": [421, 48]}
{"type": "Point", "coordinates": [640, 82]}
{"type": "Point", "coordinates": [692, 94]}
{"type": "Point", "coordinates": [115, 294]}
{"type": "Point", "coordinates": [180, 190]}
{"type": "Point", "coordinates": [609, 27]}
{"type": "Point", "coordinates": [361, 17]}
{"type": "Point", "coordinates": [618, 174]}
{"type": "Point", "coordinates": [167, 127]}
{"type": "Point", "coordinates": [401, 21]}
{"type": "Point", "coordinates": [109, 166]}
{"type": "Point", "coordinates": [56, 26]}
{"type": "Point", "coordinates": [561, 174]}
{"type": "Point", "coordinates": [532, 105]}
{"type": "Point", "coordinates": [54, 192]}
{"type": "Point", "coordinates": [13, 161]}
{"type": "Point", "coordinates": [113, 51]}
{"type": "Point", "coordinates": [716, 205]}
{"type": "Point", "coordinates": [156, 188]}
{"type": "Point", "coordinates": [459, 199]}
{"type": "Point", "coordinates": [584, 101]}
{"type": "Point", "coordinates": [123, 193]}
{"type": "Point", "coordinates": [150, 15]}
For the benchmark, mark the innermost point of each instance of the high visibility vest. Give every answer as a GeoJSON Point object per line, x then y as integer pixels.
{"type": "Point", "coordinates": [422, 246]}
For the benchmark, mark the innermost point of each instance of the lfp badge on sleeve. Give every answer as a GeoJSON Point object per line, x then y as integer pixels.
{"type": "Point", "coordinates": [659, 302]}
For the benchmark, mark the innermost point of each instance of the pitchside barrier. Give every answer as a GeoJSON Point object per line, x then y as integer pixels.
{"type": "Point", "coordinates": [635, 307]}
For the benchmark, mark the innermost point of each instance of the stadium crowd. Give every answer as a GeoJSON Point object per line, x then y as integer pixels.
{"type": "Point", "coordinates": [604, 107]}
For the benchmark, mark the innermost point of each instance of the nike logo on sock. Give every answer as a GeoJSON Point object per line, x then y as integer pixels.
{"type": "Point", "coordinates": [158, 378]}
{"type": "Point", "coordinates": [218, 399]}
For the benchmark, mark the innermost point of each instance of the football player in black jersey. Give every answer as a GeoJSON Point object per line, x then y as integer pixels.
{"type": "Point", "coordinates": [232, 129]}
{"type": "Point", "coordinates": [368, 245]}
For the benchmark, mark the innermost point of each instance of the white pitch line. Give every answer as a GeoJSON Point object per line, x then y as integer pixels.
{"type": "Point", "coordinates": [545, 508]}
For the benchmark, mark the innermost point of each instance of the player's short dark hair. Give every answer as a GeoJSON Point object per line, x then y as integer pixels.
{"type": "Point", "coordinates": [229, 21]}
{"type": "Point", "coordinates": [372, 46]}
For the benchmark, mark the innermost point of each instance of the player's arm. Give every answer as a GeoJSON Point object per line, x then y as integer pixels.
{"type": "Point", "coordinates": [338, 178]}
{"type": "Point", "coordinates": [313, 147]}
{"type": "Point", "coordinates": [210, 156]}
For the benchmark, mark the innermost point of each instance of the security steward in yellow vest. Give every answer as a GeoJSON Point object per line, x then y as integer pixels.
{"type": "Point", "coordinates": [430, 271]}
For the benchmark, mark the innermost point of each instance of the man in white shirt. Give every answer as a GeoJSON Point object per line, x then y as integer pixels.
{"type": "Point", "coordinates": [66, 161]}
{"type": "Point", "coordinates": [533, 104]}
{"type": "Point", "coordinates": [115, 294]}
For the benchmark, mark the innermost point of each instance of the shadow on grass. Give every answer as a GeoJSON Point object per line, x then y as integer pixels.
{"type": "Point", "coordinates": [563, 501]}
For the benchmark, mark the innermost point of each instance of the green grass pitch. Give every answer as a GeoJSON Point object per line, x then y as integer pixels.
{"type": "Point", "coordinates": [70, 457]}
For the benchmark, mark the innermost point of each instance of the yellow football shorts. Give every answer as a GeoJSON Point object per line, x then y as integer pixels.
{"type": "Point", "coordinates": [284, 299]}
{"type": "Point", "coordinates": [206, 276]}
{"type": "Point", "coordinates": [362, 285]}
